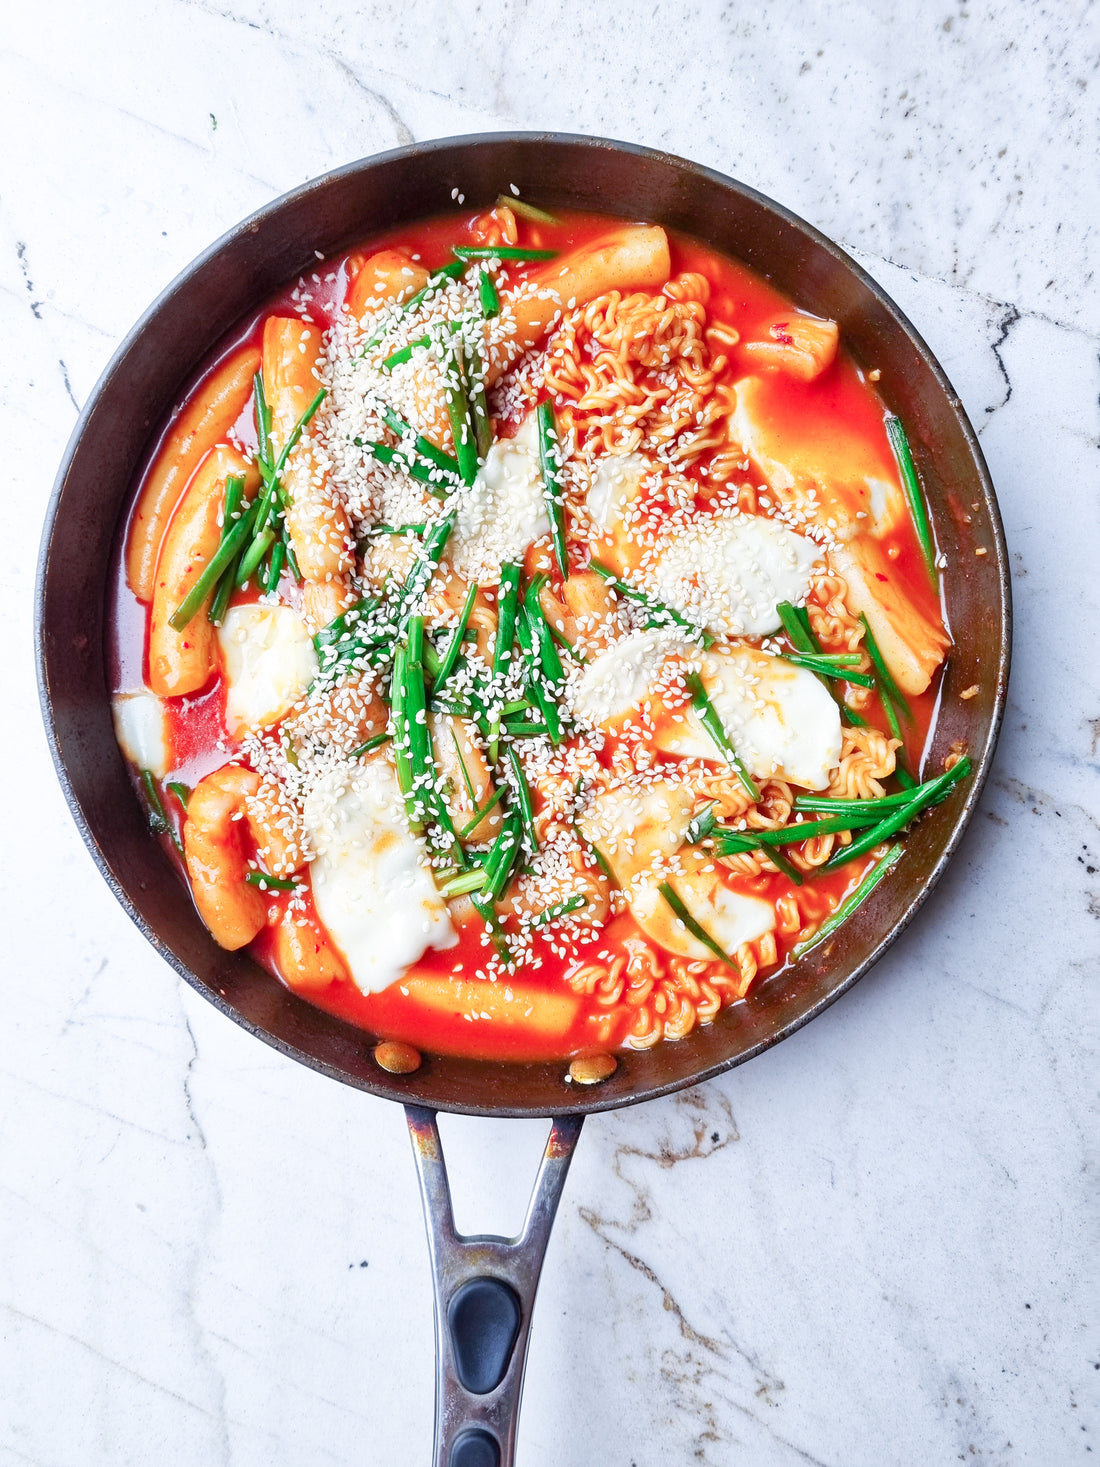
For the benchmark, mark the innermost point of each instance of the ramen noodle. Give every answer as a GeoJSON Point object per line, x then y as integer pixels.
{"type": "Point", "coordinates": [527, 636]}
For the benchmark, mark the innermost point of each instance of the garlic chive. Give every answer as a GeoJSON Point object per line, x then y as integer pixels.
{"type": "Point", "coordinates": [550, 465]}
{"type": "Point", "coordinates": [899, 442]}
{"type": "Point", "coordinates": [270, 883]}
{"type": "Point", "coordinates": [708, 717]}
{"type": "Point", "coordinates": [849, 905]}
{"type": "Point", "coordinates": [500, 252]}
{"type": "Point", "coordinates": [698, 932]}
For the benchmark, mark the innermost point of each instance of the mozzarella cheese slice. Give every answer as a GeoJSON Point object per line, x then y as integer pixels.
{"type": "Point", "coordinates": [729, 917]}
{"type": "Point", "coordinates": [141, 732]}
{"type": "Point", "coordinates": [372, 887]}
{"type": "Point", "coordinates": [730, 572]}
{"type": "Point", "coordinates": [780, 718]}
{"type": "Point", "coordinates": [269, 662]}
{"type": "Point", "coordinates": [620, 680]}
{"type": "Point", "coordinates": [503, 511]}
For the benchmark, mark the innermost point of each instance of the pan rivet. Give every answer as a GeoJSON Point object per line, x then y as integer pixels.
{"type": "Point", "coordinates": [397, 1058]}
{"type": "Point", "coordinates": [590, 1069]}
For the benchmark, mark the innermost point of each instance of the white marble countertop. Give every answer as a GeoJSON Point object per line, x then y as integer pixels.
{"type": "Point", "coordinates": [867, 1247]}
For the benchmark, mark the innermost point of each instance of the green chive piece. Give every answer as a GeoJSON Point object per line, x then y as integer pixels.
{"type": "Point", "coordinates": [263, 424]}
{"type": "Point", "coordinates": [857, 898]}
{"type": "Point", "coordinates": [701, 826]}
{"type": "Point", "coordinates": [458, 411]}
{"type": "Point", "coordinates": [401, 742]}
{"type": "Point", "coordinates": [423, 446]}
{"type": "Point", "coordinates": [436, 281]}
{"type": "Point", "coordinates": [468, 881]}
{"type": "Point", "coordinates": [542, 633]}
{"type": "Point", "coordinates": [250, 560]}
{"type": "Point", "coordinates": [560, 909]}
{"type": "Point", "coordinates": [181, 791]}
{"type": "Point", "coordinates": [425, 473]}
{"type": "Point", "coordinates": [270, 883]}
{"type": "Point", "coordinates": [404, 353]}
{"type": "Point", "coordinates": [375, 742]}
{"type": "Point", "coordinates": [523, 798]}
{"type": "Point", "coordinates": [796, 624]}
{"type": "Point", "coordinates": [226, 586]}
{"type": "Point", "coordinates": [808, 829]}
{"type": "Point", "coordinates": [275, 567]}
{"type": "Point", "coordinates": [826, 804]}
{"type": "Point", "coordinates": [550, 465]}
{"type": "Point", "coordinates": [526, 730]}
{"type": "Point", "coordinates": [483, 423]}
{"type": "Point", "coordinates": [699, 933]}
{"type": "Point", "coordinates": [885, 679]}
{"type": "Point", "coordinates": [826, 665]}
{"type": "Point", "coordinates": [543, 698]}
{"type": "Point", "coordinates": [662, 615]}
{"type": "Point", "coordinates": [157, 818]}
{"type": "Point", "coordinates": [453, 646]}
{"type": "Point", "coordinates": [708, 717]}
{"type": "Point", "coordinates": [502, 856]}
{"type": "Point", "coordinates": [500, 252]}
{"type": "Point", "coordinates": [899, 442]}
{"type": "Point", "coordinates": [466, 780]}
{"type": "Point", "coordinates": [489, 295]}
{"type": "Point", "coordinates": [424, 568]}
{"type": "Point", "coordinates": [507, 607]}
{"type": "Point", "coordinates": [526, 210]}
{"type": "Point", "coordinates": [781, 863]}
{"type": "Point", "coordinates": [929, 794]}
{"type": "Point", "coordinates": [347, 639]}
{"type": "Point", "coordinates": [389, 530]}
{"type": "Point", "coordinates": [479, 814]}
{"type": "Point", "coordinates": [188, 608]}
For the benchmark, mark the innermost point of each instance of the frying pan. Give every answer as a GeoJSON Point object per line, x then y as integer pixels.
{"type": "Point", "coordinates": [484, 1287]}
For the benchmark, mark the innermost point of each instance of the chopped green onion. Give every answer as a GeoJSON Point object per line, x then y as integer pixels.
{"type": "Point", "coordinates": [275, 567]}
{"type": "Point", "coordinates": [490, 296]}
{"type": "Point", "coordinates": [887, 685]}
{"type": "Point", "coordinates": [543, 633]}
{"type": "Point", "coordinates": [389, 530]}
{"type": "Point", "coordinates": [523, 798]}
{"type": "Point", "coordinates": [928, 794]}
{"type": "Point", "coordinates": [857, 898]}
{"type": "Point", "coordinates": [453, 647]}
{"type": "Point", "coordinates": [181, 792]}
{"type": "Point", "coordinates": [250, 560]}
{"type": "Point", "coordinates": [436, 281]}
{"type": "Point", "coordinates": [424, 567]}
{"type": "Point", "coordinates": [458, 411]}
{"type": "Point", "coordinates": [791, 834]}
{"type": "Point", "coordinates": [796, 624]}
{"type": "Point", "coordinates": [404, 353]}
{"type": "Point", "coordinates": [423, 446]}
{"type": "Point", "coordinates": [780, 862]}
{"type": "Point", "coordinates": [502, 856]}
{"type": "Point", "coordinates": [708, 717]}
{"type": "Point", "coordinates": [480, 814]}
{"type": "Point", "coordinates": [543, 698]}
{"type": "Point", "coordinates": [272, 883]}
{"type": "Point", "coordinates": [899, 442]}
{"type": "Point", "coordinates": [701, 826]}
{"type": "Point", "coordinates": [157, 818]}
{"type": "Point", "coordinates": [526, 210]}
{"type": "Point", "coordinates": [507, 607]}
{"type": "Point", "coordinates": [830, 664]}
{"type": "Point", "coordinates": [468, 881]}
{"type": "Point", "coordinates": [425, 473]}
{"type": "Point", "coordinates": [188, 608]}
{"type": "Point", "coordinates": [560, 909]}
{"type": "Point", "coordinates": [500, 252]}
{"type": "Point", "coordinates": [375, 742]}
{"type": "Point", "coordinates": [663, 615]}
{"type": "Point", "coordinates": [699, 933]}
{"type": "Point", "coordinates": [553, 494]}
{"type": "Point", "coordinates": [346, 639]}
{"type": "Point", "coordinates": [526, 730]}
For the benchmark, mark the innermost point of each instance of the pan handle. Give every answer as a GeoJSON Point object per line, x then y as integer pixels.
{"type": "Point", "coordinates": [484, 1295]}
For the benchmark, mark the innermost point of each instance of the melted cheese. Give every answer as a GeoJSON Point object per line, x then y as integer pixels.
{"type": "Point", "coordinates": [141, 732]}
{"type": "Point", "coordinates": [269, 661]}
{"type": "Point", "coordinates": [503, 511]}
{"type": "Point", "coordinates": [730, 572]}
{"type": "Point", "coordinates": [371, 884]}
{"type": "Point", "coordinates": [619, 681]}
{"type": "Point", "coordinates": [780, 718]}
{"type": "Point", "coordinates": [729, 917]}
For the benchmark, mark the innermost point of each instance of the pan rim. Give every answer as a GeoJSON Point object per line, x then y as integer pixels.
{"type": "Point", "coordinates": [583, 1102]}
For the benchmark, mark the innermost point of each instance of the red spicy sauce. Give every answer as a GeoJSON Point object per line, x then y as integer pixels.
{"type": "Point", "coordinates": [534, 1015]}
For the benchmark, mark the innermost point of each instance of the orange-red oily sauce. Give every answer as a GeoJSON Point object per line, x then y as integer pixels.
{"type": "Point", "coordinates": [560, 1024]}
